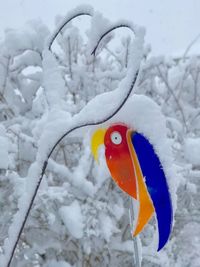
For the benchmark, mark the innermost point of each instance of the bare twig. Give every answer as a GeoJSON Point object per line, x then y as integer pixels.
{"type": "Point", "coordinates": [70, 57]}
{"type": "Point", "coordinates": [114, 55]}
{"type": "Point", "coordinates": [190, 46]}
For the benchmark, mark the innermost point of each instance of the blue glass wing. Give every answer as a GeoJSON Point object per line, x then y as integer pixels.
{"type": "Point", "coordinates": [156, 184]}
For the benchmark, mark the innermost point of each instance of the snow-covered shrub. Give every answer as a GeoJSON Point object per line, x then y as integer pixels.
{"type": "Point", "coordinates": [80, 218]}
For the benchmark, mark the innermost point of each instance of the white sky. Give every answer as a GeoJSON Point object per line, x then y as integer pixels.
{"type": "Point", "coordinates": [170, 24]}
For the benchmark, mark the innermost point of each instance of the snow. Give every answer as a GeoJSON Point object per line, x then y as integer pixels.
{"type": "Point", "coordinates": [99, 25]}
{"type": "Point", "coordinates": [116, 96]}
{"type": "Point", "coordinates": [31, 37]}
{"type": "Point", "coordinates": [96, 216]}
{"type": "Point", "coordinates": [118, 210]}
{"type": "Point", "coordinates": [53, 80]}
{"type": "Point", "coordinates": [175, 124]}
{"type": "Point", "coordinates": [145, 117]}
{"type": "Point", "coordinates": [87, 9]}
{"type": "Point", "coordinates": [192, 188]}
{"type": "Point", "coordinates": [59, 125]}
{"type": "Point", "coordinates": [72, 218]}
{"type": "Point", "coordinates": [124, 246]}
{"type": "Point", "coordinates": [54, 263]}
{"type": "Point", "coordinates": [192, 151]}
{"type": "Point", "coordinates": [190, 256]}
{"type": "Point", "coordinates": [143, 111]}
{"type": "Point", "coordinates": [107, 226]}
{"type": "Point", "coordinates": [4, 147]}
{"type": "Point", "coordinates": [29, 58]}
{"type": "Point", "coordinates": [17, 40]}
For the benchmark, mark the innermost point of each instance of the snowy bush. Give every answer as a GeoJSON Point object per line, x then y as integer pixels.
{"type": "Point", "coordinates": [80, 217]}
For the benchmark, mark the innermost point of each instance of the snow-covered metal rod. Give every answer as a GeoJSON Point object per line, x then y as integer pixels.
{"type": "Point", "coordinates": [74, 14]}
{"type": "Point", "coordinates": [127, 93]}
{"type": "Point", "coordinates": [135, 239]}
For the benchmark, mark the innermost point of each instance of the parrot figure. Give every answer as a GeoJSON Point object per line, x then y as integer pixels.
{"type": "Point", "coordinates": [137, 170]}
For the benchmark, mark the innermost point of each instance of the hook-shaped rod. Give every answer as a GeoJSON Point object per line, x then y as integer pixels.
{"type": "Point", "coordinates": [110, 30]}
{"type": "Point", "coordinates": [103, 120]}
{"type": "Point", "coordinates": [63, 24]}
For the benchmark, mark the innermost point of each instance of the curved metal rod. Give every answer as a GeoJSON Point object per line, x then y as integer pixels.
{"type": "Point", "coordinates": [117, 109]}
{"type": "Point", "coordinates": [92, 123]}
{"type": "Point", "coordinates": [59, 29]}
{"type": "Point", "coordinates": [110, 30]}
{"type": "Point", "coordinates": [49, 45]}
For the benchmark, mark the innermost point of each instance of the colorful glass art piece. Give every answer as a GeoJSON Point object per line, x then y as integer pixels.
{"type": "Point", "coordinates": [137, 170]}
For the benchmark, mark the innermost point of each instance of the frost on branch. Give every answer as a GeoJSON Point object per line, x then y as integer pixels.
{"type": "Point", "coordinates": [39, 94]}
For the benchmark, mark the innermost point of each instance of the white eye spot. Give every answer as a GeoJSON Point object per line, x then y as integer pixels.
{"type": "Point", "coordinates": [116, 138]}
